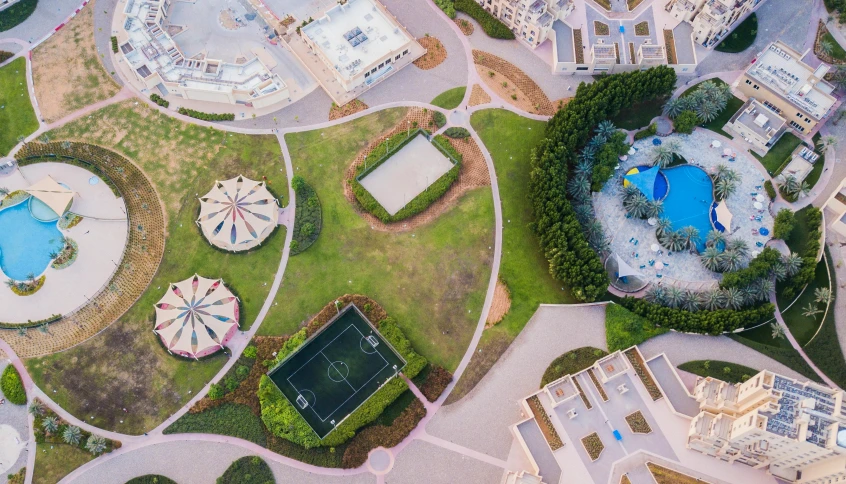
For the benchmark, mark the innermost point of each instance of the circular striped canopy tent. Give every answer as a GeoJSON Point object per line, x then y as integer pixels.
{"type": "Point", "coordinates": [238, 214]}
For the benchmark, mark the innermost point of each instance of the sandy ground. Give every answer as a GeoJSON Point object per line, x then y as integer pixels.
{"type": "Point", "coordinates": [505, 92]}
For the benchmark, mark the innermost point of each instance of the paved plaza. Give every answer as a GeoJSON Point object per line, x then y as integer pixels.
{"type": "Point", "coordinates": [16, 417]}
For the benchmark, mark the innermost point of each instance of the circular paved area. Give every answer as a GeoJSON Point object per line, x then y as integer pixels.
{"type": "Point", "coordinates": [380, 461]}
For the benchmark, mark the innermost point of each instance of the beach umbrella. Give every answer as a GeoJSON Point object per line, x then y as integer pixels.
{"type": "Point", "coordinates": [655, 247]}
{"type": "Point", "coordinates": [652, 221]}
{"type": "Point", "coordinates": [758, 205]}
{"type": "Point", "coordinates": [624, 157]}
{"type": "Point", "coordinates": [727, 152]}
{"type": "Point", "coordinates": [656, 141]}
{"type": "Point", "coordinates": [763, 231]}
{"type": "Point", "coordinates": [759, 197]}
{"type": "Point", "coordinates": [632, 151]}
{"type": "Point", "coordinates": [659, 265]}
{"type": "Point", "coordinates": [716, 144]}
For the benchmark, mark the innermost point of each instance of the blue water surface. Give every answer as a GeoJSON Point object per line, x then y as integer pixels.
{"type": "Point", "coordinates": [689, 200]}
{"type": "Point", "coordinates": [26, 243]}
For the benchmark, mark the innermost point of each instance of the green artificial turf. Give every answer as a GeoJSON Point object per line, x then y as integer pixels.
{"type": "Point", "coordinates": [450, 99]}
{"type": "Point", "coordinates": [717, 369]}
{"type": "Point", "coordinates": [432, 280]}
{"type": "Point", "coordinates": [776, 159]}
{"type": "Point", "coordinates": [741, 38]}
{"type": "Point", "coordinates": [17, 117]}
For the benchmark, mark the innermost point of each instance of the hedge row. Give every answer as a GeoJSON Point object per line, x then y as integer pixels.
{"type": "Point", "coordinates": [114, 44]}
{"type": "Point", "coordinates": [490, 24]}
{"type": "Point", "coordinates": [159, 100]}
{"type": "Point", "coordinates": [768, 186]}
{"type": "Point", "coordinates": [806, 273]}
{"type": "Point", "coordinates": [705, 322]}
{"type": "Point", "coordinates": [758, 268]}
{"type": "Point", "coordinates": [16, 14]}
{"type": "Point", "coordinates": [414, 363]}
{"type": "Point", "coordinates": [448, 6]}
{"type": "Point", "coordinates": [12, 386]}
{"type": "Point", "coordinates": [308, 221]}
{"type": "Point", "coordinates": [383, 435]}
{"type": "Point", "coordinates": [31, 324]}
{"type": "Point", "coordinates": [207, 116]}
{"type": "Point", "coordinates": [151, 479]}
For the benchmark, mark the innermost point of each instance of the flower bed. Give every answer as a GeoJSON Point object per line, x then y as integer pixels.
{"type": "Point", "coordinates": [545, 424]}
{"type": "Point", "coordinates": [593, 446]}
{"type": "Point", "coordinates": [207, 116]}
{"type": "Point", "coordinates": [642, 28]}
{"type": "Point", "coordinates": [597, 385]}
{"type": "Point", "coordinates": [12, 386]}
{"type": "Point", "coordinates": [308, 221]}
{"type": "Point", "coordinates": [69, 220]}
{"type": "Point", "coordinates": [67, 256]}
{"type": "Point", "coordinates": [582, 394]}
{"type": "Point", "coordinates": [160, 101]}
{"type": "Point", "coordinates": [579, 47]}
{"type": "Point", "coordinates": [600, 28]}
{"type": "Point", "coordinates": [465, 26]}
{"type": "Point", "coordinates": [670, 42]}
{"type": "Point", "coordinates": [437, 379]}
{"type": "Point", "coordinates": [637, 423]}
{"type": "Point", "coordinates": [52, 429]}
{"type": "Point", "coordinates": [26, 288]}
{"type": "Point", "coordinates": [13, 198]}
{"type": "Point", "coordinates": [640, 368]}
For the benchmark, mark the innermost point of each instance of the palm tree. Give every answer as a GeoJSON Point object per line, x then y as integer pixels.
{"type": "Point", "coordinates": [792, 264]}
{"type": "Point", "coordinates": [584, 212]}
{"type": "Point", "coordinates": [734, 297]}
{"type": "Point", "coordinates": [724, 188]}
{"type": "Point", "coordinates": [822, 144]}
{"type": "Point", "coordinates": [811, 310]}
{"type": "Point", "coordinates": [36, 408]}
{"type": "Point", "coordinates": [708, 89]}
{"type": "Point", "coordinates": [578, 186]}
{"type": "Point", "coordinates": [757, 292]}
{"type": "Point", "coordinates": [779, 271]}
{"type": "Point", "coordinates": [730, 261]}
{"type": "Point", "coordinates": [10, 283]}
{"type": "Point", "coordinates": [588, 153]}
{"type": "Point", "coordinates": [689, 102]}
{"type": "Point", "coordinates": [593, 229]}
{"type": "Point", "coordinates": [715, 238]}
{"type": "Point", "coordinates": [675, 296]}
{"type": "Point", "coordinates": [95, 444]}
{"type": "Point", "coordinates": [826, 47]}
{"type": "Point", "coordinates": [695, 99]}
{"type": "Point", "coordinates": [30, 277]}
{"type": "Point", "coordinates": [654, 208]}
{"type": "Point", "coordinates": [777, 330]}
{"type": "Point", "coordinates": [673, 108]}
{"type": "Point", "coordinates": [793, 187]}
{"type": "Point", "coordinates": [690, 234]}
{"type": "Point", "coordinates": [663, 226]}
{"type": "Point", "coordinates": [738, 245]}
{"type": "Point", "coordinates": [656, 295]}
{"type": "Point", "coordinates": [677, 242]}
{"type": "Point", "coordinates": [662, 157]}
{"type": "Point", "coordinates": [50, 424]}
{"type": "Point", "coordinates": [823, 295]}
{"type": "Point", "coordinates": [690, 301]}
{"type": "Point", "coordinates": [713, 300]}
{"type": "Point", "coordinates": [673, 146]}
{"type": "Point", "coordinates": [636, 206]}
{"type": "Point", "coordinates": [583, 167]}
{"type": "Point", "coordinates": [707, 111]}
{"type": "Point", "coordinates": [4, 191]}
{"type": "Point", "coordinates": [711, 258]}
{"type": "Point", "coordinates": [601, 244]}
{"type": "Point", "coordinates": [605, 129]}
{"type": "Point", "coordinates": [72, 435]}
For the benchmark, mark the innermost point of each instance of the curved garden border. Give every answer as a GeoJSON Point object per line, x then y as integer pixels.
{"type": "Point", "coordinates": [141, 256]}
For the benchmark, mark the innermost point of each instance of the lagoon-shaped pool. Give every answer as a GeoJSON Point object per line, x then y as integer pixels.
{"type": "Point", "coordinates": [26, 243]}
{"type": "Point", "coordinates": [689, 200]}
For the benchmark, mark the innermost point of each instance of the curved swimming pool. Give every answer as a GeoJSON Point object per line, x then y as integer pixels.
{"type": "Point", "coordinates": [689, 200]}
{"type": "Point", "coordinates": [26, 243]}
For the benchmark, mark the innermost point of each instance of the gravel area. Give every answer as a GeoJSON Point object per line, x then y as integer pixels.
{"type": "Point", "coordinates": [681, 348]}
{"type": "Point", "coordinates": [16, 416]}
{"type": "Point", "coordinates": [481, 420]}
{"type": "Point", "coordinates": [684, 267]}
{"type": "Point", "coordinates": [47, 16]}
{"type": "Point", "coordinates": [425, 462]}
{"type": "Point", "coordinates": [207, 462]}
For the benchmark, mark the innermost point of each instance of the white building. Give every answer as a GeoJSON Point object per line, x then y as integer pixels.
{"type": "Point", "coordinates": [712, 20]}
{"type": "Point", "coordinates": [530, 20]}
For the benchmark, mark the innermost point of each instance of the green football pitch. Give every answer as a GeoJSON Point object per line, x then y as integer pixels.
{"type": "Point", "coordinates": [336, 370]}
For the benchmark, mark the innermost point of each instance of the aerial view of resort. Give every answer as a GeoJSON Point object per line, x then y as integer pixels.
{"type": "Point", "coordinates": [422, 241]}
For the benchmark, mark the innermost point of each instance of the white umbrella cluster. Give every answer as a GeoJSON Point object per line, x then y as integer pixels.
{"type": "Point", "coordinates": [196, 317]}
{"type": "Point", "coordinates": [238, 214]}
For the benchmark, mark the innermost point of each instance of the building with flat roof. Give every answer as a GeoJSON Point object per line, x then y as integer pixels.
{"type": "Point", "coordinates": [712, 20]}
{"type": "Point", "coordinates": [797, 431]}
{"type": "Point", "coordinates": [835, 209]}
{"type": "Point", "coordinates": [797, 92]}
{"type": "Point", "coordinates": [757, 125]}
{"type": "Point", "coordinates": [530, 20]}
{"type": "Point", "coordinates": [157, 61]}
{"type": "Point", "coordinates": [361, 43]}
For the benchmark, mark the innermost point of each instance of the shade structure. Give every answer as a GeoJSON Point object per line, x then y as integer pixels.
{"type": "Point", "coordinates": [724, 216]}
{"type": "Point", "coordinates": [196, 317]}
{"type": "Point", "coordinates": [644, 181]}
{"type": "Point", "coordinates": [623, 269]}
{"type": "Point", "coordinates": [52, 194]}
{"type": "Point", "coordinates": [237, 214]}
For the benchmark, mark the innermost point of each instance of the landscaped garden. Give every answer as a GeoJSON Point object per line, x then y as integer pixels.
{"type": "Point", "coordinates": [16, 14]}
{"type": "Point", "coordinates": [721, 370]}
{"type": "Point", "coordinates": [100, 377]}
{"type": "Point", "coordinates": [779, 155]}
{"type": "Point", "coordinates": [742, 37]}
{"type": "Point", "coordinates": [637, 423]}
{"type": "Point", "coordinates": [571, 363]}
{"type": "Point", "coordinates": [17, 117]}
{"type": "Point", "coordinates": [624, 329]}
{"type": "Point", "coordinates": [450, 99]}
{"type": "Point", "coordinates": [593, 445]}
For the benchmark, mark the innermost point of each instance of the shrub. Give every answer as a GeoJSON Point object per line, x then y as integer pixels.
{"type": "Point", "coordinates": [685, 122]}
{"type": "Point", "coordinates": [414, 363]}
{"type": "Point", "coordinates": [16, 14]}
{"type": "Point", "coordinates": [493, 27]}
{"type": "Point", "coordinates": [250, 352]}
{"type": "Point", "coordinates": [215, 391]}
{"type": "Point", "coordinates": [114, 44]}
{"type": "Point", "coordinates": [383, 436]}
{"type": "Point", "coordinates": [248, 470]}
{"type": "Point", "coordinates": [436, 382]}
{"type": "Point", "coordinates": [308, 221]}
{"type": "Point", "coordinates": [703, 321]}
{"type": "Point", "coordinates": [607, 159]}
{"type": "Point", "coordinates": [280, 417]}
{"type": "Point", "coordinates": [637, 423]}
{"type": "Point", "coordinates": [151, 479]}
{"type": "Point", "coordinates": [785, 220]}
{"type": "Point", "coordinates": [12, 386]}
{"type": "Point", "coordinates": [230, 419]}
{"type": "Point", "coordinates": [439, 118]}
{"type": "Point", "coordinates": [159, 100]}
{"type": "Point", "coordinates": [207, 116]}
{"type": "Point", "coordinates": [645, 133]}
{"type": "Point", "coordinates": [4, 56]}
{"type": "Point", "coordinates": [447, 6]}
{"type": "Point", "coordinates": [571, 362]}
{"type": "Point", "coordinates": [457, 132]}
{"type": "Point", "coordinates": [768, 186]}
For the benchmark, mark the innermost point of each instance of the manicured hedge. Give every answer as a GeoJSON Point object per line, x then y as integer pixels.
{"type": "Point", "coordinates": [768, 186]}
{"type": "Point", "coordinates": [16, 14]}
{"type": "Point", "coordinates": [159, 100]}
{"type": "Point", "coordinates": [414, 363]}
{"type": "Point", "coordinates": [12, 386]}
{"type": "Point", "coordinates": [382, 435]}
{"type": "Point", "coordinates": [248, 470]}
{"type": "Point", "coordinates": [230, 419]}
{"type": "Point", "coordinates": [758, 268]}
{"type": "Point", "coordinates": [645, 133]}
{"type": "Point", "coordinates": [308, 221]}
{"type": "Point", "coordinates": [207, 116]}
{"type": "Point", "coordinates": [490, 24]}
{"type": "Point", "coordinates": [114, 44]}
{"type": "Point", "coordinates": [457, 132]}
{"type": "Point", "coordinates": [151, 479]}
{"type": "Point", "coordinates": [448, 6]}
{"type": "Point", "coordinates": [4, 56]}
{"type": "Point", "coordinates": [705, 322]}
{"type": "Point", "coordinates": [439, 118]}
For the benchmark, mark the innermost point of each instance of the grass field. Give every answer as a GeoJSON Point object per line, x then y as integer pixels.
{"type": "Point", "coordinates": [776, 158]}
{"type": "Point", "coordinates": [742, 37]}
{"type": "Point", "coordinates": [797, 241]}
{"type": "Point", "coordinates": [432, 280]}
{"type": "Point", "coordinates": [639, 115]}
{"type": "Point", "coordinates": [817, 171]}
{"type": "Point", "coordinates": [732, 106]}
{"type": "Point", "coordinates": [803, 327]}
{"type": "Point", "coordinates": [624, 329]}
{"type": "Point", "coordinates": [450, 99]}
{"type": "Point", "coordinates": [17, 118]}
{"type": "Point", "coordinates": [55, 461]}
{"type": "Point", "coordinates": [101, 376]}
{"type": "Point", "coordinates": [510, 139]}
{"type": "Point", "coordinates": [717, 369]}
{"type": "Point", "coordinates": [837, 50]}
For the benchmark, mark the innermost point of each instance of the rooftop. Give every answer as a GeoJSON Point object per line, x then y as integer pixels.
{"type": "Point", "coordinates": [802, 404]}
{"type": "Point", "coordinates": [356, 35]}
{"type": "Point", "coordinates": [759, 119]}
{"type": "Point", "coordinates": [781, 69]}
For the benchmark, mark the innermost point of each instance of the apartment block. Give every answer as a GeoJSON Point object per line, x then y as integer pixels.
{"type": "Point", "coordinates": [530, 20]}
{"type": "Point", "coordinates": [797, 92]}
{"type": "Point", "coordinates": [797, 431]}
{"type": "Point", "coordinates": [712, 20]}
{"type": "Point", "coordinates": [757, 125]}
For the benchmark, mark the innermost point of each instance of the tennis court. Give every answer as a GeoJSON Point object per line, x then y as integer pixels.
{"type": "Point", "coordinates": [336, 370]}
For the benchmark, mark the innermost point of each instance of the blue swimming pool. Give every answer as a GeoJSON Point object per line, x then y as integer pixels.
{"type": "Point", "coordinates": [25, 243]}
{"type": "Point", "coordinates": [689, 200]}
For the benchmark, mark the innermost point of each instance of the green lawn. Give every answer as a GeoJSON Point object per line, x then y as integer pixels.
{"type": "Point", "coordinates": [571, 362]}
{"type": "Point", "coordinates": [624, 329]}
{"type": "Point", "coordinates": [450, 99]}
{"type": "Point", "coordinates": [816, 172]}
{"type": "Point", "coordinates": [803, 327]}
{"type": "Point", "coordinates": [55, 461]}
{"type": "Point", "coordinates": [432, 280]}
{"type": "Point", "coordinates": [742, 37]}
{"type": "Point", "coordinates": [510, 139]}
{"type": "Point", "coordinates": [837, 50]}
{"type": "Point", "coordinates": [639, 115]}
{"type": "Point", "coordinates": [17, 118]}
{"type": "Point", "coordinates": [797, 241]}
{"type": "Point", "coordinates": [732, 106]}
{"type": "Point", "coordinates": [717, 369]}
{"type": "Point", "coordinates": [777, 157]}
{"type": "Point", "coordinates": [125, 366]}
{"type": "Point", "coordinates": [825, 350]}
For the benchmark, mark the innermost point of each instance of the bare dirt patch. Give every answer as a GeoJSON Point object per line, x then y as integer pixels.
{"type": "Point", "coordinates": [435, 54]}
{"type": "Point", "coordinates": [472, 174]}
{"type": "Point", "coordinates": [67, 71]}
{"type": "Point", "coordinates": [479, 96]}
{"type": "Point", "coordinates": [352, 107]}
{"type": "Point", "coordinates": [227, 20]}
{"type": "Point", "coordinates": [526, 91]}
{"type": "Point", "coordinates": [500, 305]}
{"type": "Point", "coordinates": [465, 25]}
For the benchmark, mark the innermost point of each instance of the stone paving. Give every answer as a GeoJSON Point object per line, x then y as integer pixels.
{"type": "Point", "coordinates": [424, 462]}
{"type": "Point", "coordinates": [47, 16]}
{"type": "Point", "coordinates": [16, 416]}
{"type": "Point", "coordinates": [684, 267]}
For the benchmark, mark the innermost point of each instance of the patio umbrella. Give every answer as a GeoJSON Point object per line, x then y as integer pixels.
{"type": "Point", "coordinates": [727, 152]}
{"type": "Point", "coordinates": [655, 247]}
{"type": "Point", "coordinates": [624, 157]}
{"type": "Point", "coordinates": [237, 214]}
{"type": "Point", "coordinates": [659, 265]}
{"type": "Point", "coordinates": [652, 221]}
{"type": "Point", "coordinates": [632, 151]}
{"type": "Point", "coordinates": [754, 253]}
{"type": "Point", "coordinates": [716, 144]}
{"type": "Point", "coordinates": [759, 197]}
{"type": "Point", "coordinates": [758, 205]}
{"type": "Point", "coordinates": [656, 141]}
{"type": "Point", "coordinates": [196, 317]}
{"type": "Point", "coordinates": [763, 231]}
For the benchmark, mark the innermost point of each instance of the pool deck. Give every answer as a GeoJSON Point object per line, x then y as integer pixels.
{"type": "Point", "coordinates": [100, 242]}
{"type": "Point", "coordinates": [685, 269]}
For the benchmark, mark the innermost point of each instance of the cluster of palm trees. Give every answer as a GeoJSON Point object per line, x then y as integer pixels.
{"type": "Point", "coordinates": [66, 246]}
{"type": "Point", "coordinates": [662, 155]}
{"type": "Point", "coordinates": [791, 187]}
{"type": "Point", "coordinates": [676, 240]}
{"type": "Point", "coordinates": [579, 188]}
{"type": "Point", "coordinates": [707, 102]}
{"type": "Point", "coordinates": [728, 298]}
{"type": "Point", "coordinates": [70, 434]}
{"type": "Point", "coordinates": [726, 181]}
{"type": "Point", "coordinates": [822, 295]}
{"type": "Point", "coordinates": [638, 206]}
{"type": "Point", "coordinates": [23, 286]}
{"type": "Point", "coordinates": [724, 255]}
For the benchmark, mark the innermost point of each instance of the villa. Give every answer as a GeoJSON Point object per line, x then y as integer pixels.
{"type": "Point", "coordinates": [530, 20]}
{"type": "Point", "coordinates": [835, 208]}
{"type": "Point", "coordinates": [757, 125]}
{"type": "Point", "coordinates": [712, 20]}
